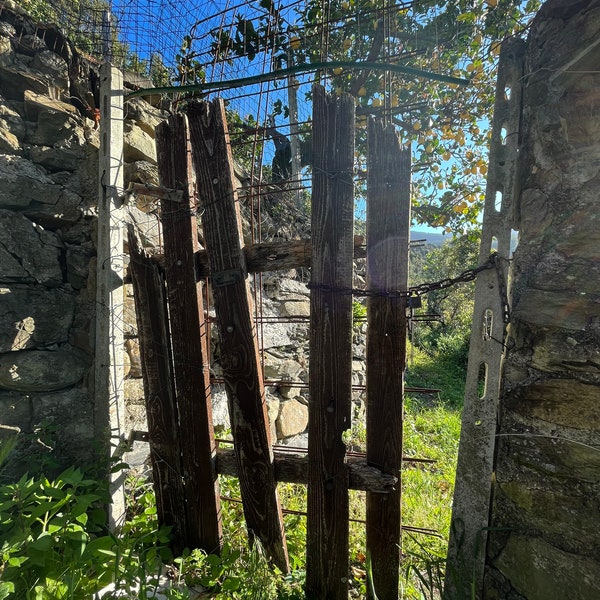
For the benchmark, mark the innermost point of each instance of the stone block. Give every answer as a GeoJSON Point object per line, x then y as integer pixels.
{"type": "Point", "coordinates": [15, 80]}
{"type": "Point", "coordinates": [292, 419]}
{"type": "Point", "coordinates": [28, 254]}
{"type": "Point", "coordinates": [138, 144]}
{"type": "Point", "coordinates": [540, 571]}
{"type": "Point", "coordinates": [23, 182]}
{"type": "Point", "coordinates": [34, 316]}
{"type": "Point", "coordinates": [42, 370]}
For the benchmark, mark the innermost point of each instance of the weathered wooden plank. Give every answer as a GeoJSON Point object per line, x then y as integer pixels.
{"type": "Point", "coordinates": [330, 363]}
{"type": "Point", "coordinates": [189, 339]}
{"type": "Point", "coordinates": [233, 306]}
{"type": "Point", "coordinates": [276, 256]}
{"type": "Point", "coordinates": [270, 256]}
{"type": "Point", "coordinates": [388, 224]}
{"type": "Point", "coordinates": [153, 331]}
{"type": "Point", "coordinates": [293, 468]}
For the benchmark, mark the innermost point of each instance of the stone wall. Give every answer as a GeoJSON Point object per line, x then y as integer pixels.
{"type": "Point", "coordinates": [545, 537]}
{"type": "Point", "coordinates": [48, 207]}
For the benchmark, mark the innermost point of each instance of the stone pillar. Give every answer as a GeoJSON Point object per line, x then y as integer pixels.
{"type": "Point", "coordinates": [545, 522]}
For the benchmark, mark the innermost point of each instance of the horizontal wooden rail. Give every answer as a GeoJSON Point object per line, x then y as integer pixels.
{"type": "Point", "coordinates": [293, 468]}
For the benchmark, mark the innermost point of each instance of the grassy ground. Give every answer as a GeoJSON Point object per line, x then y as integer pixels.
{"type": "Point", "coordinates": [51, 528]}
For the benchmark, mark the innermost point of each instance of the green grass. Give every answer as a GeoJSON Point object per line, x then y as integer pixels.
{"type": "Point", "coordinates": [79, 545]}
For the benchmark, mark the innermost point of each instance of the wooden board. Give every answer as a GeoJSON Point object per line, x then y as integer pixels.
{"type": "Point", "coordinates": [330, 363]}
{"type": "Point", "coordinates": [233, 306]}
{"type": "Point", "coordinates": [161, 412]}
{"type": "Point", "coordinates": [388, 224]}
{"type": "Point", "coordinates": [189, 339]}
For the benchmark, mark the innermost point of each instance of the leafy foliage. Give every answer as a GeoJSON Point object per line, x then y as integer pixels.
{"type": "Point", "coordinates": [446, 124]}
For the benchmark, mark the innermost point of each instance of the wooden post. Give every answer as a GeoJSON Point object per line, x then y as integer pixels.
{"type": "Point", "coordinates": [330, 367]}
{"type": "Point", "coordinates": [388, 226]}
{"type": "Point", "coordinates": [161, 412]}
{"type": "Point", "coordinates": [108, 376]}
{"type": "Point", "coordinates": [189, 339]}
{"type": "Point", "coordinates": [233, 305]}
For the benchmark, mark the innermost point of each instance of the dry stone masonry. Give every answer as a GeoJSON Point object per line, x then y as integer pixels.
{"type": "Point", "coordinates": [545, 537]}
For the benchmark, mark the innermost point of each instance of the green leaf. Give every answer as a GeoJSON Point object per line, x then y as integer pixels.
{"type": "Point", "coordinates": [231, 584]}
{"type": "Point", "coordinates": [6, 588]}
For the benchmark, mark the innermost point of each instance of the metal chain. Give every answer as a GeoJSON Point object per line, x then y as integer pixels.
{"type": "Point", "coordinates": [425, 288]}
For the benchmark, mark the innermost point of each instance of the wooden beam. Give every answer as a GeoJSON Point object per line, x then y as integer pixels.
{"type": "Point", "coordinates": [330, 363]}
{"type": "Point", "coordinates": [388, 224]}
{"type": "Point", "coordinates": [159, 393]}
{"type": "Point", "coordinates": [293, 468]}
{"type": "Point", "coordinates": [275, 256]}
{"type": "Point", "coordinates": [189, 339]}
{"type": "Point", "coordinates": [233, 306]}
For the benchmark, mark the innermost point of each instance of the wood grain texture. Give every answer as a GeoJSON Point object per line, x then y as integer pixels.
{"type": "Point", "coordinates": [388, 222]}
{"type": "Point", "coordinates": [189, 339]}
{"type": "Point", "coordinates": [330, 367]}
{"type": "Point", "coordinates": [233, 306]}
{"type": "Point", "coordinates": [293, 468]}
{"type": "Point", "coordinates": [161, 412]}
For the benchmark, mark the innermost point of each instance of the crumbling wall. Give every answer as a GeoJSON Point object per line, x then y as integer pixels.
{"type": "Point", "coordinates": [545, 536]}
{"type": "Point", "coordinates": [48, 209]}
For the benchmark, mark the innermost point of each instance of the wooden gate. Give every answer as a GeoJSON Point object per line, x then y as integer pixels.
{"type": "Point", "coordinates": [172, 320]}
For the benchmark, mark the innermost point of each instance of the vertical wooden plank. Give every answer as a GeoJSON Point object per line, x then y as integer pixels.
{"type": "Point", "coordinates": [108, 376]}
{"type": "Point", "coordinates": [388, 226]}
{"type": "Point", "coordinates": [330, 366]}
{"type": "Point", "coordinates": [233, 306]}
{"type": "Point", "coordinates": [189, 339]}
{"type": "Point", "coordinates": [161, 413]}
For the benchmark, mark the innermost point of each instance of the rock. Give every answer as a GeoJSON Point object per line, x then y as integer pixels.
{"type": "Point", "coordinates": [144, 115]}
{"type": "Point", "coordinates": [42, 370]}
{"type": "Point", "coordinates": [220, 410]}
{"type": "Point", "coordinates": [296, 308]}
{"type": "Point", "coordinates": [23, 182]}
{"type": "Point", "coordinates": [15, 410]}
{"type": "Point", "coordinates": [11, 120]}
{"type": "Point", "coordinates": [147, 227]}
{"type": "Point", "coordinates": [138, 144]}
{"type": "Point", "coordinates": [528, 561]}
{"type": "Point", "coordinates": [37, 104]}
{"type": "Point", "coordinates": [141, 171]}
{"type": "Point", "coordinates": [134, 391]}
{"type": "Point", "coordinates": [9, 143]}
{"type": "Point", "coordinates": [56, 126]}
{"type": "Point", "coordinates": [129, 316]}
{"type": "Point", "coordinates": [292, 419]}
{"type": "Point", "coordinates": [55, 67]}
{"type": "Point", "coordinates": [295, 441]}
{"type": "Point", "coordinates": [55, 159]}
{"type": "Point", "coordinates": [16, 80]}
{"type": "Point", "coordinates": [6, 55]}
{"type": "Point", "coordinates": [281, 369]}
{"type": "Point", "coordinates": [132, 349]}
{"type": "Point", "coordinates": [566, 310]}
{"type": "Point", "coordinates": [34, 316]}
{"type": "Point", "coordinates": [78, 264]}
{"type": "Point", "coordinates": [28, 254]}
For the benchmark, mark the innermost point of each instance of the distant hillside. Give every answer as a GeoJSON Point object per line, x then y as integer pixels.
{"type": "Point", "coordinates": [436, 239]}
